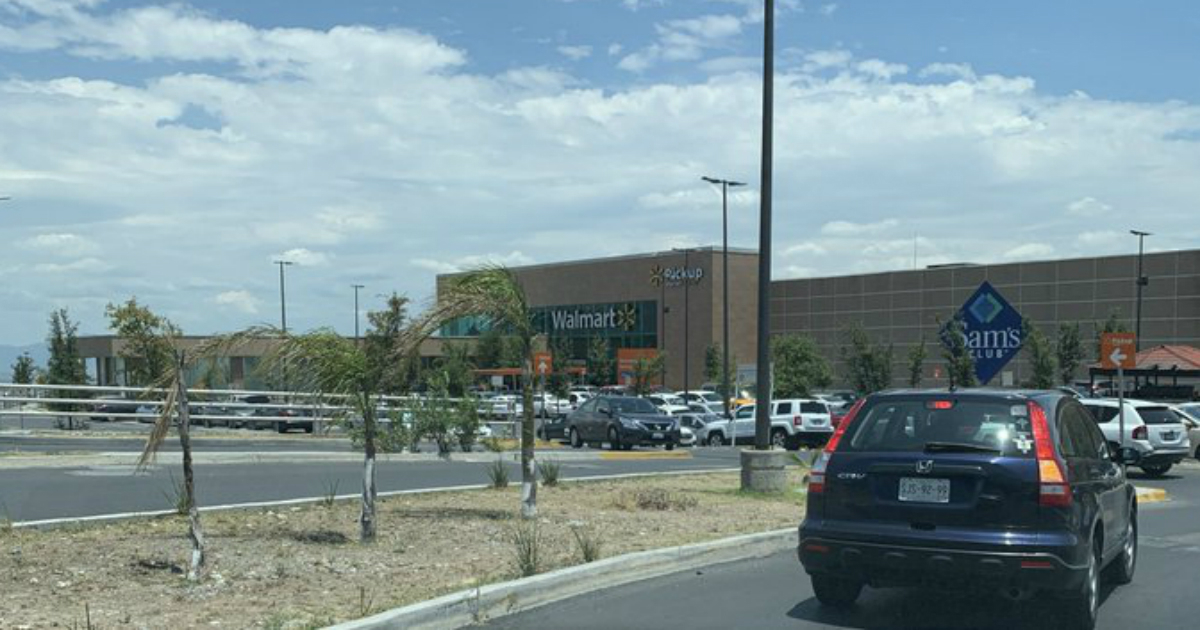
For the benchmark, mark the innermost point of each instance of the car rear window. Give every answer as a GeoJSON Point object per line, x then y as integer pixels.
{"type": "Point", "coordinates": [1157, 415]}
{"type": "Point", "coordinates": [1102, 414]}
{"type": "Point", "coordinates": [912, 425]}
{"type": "Point", "coordinates": [812, 407]}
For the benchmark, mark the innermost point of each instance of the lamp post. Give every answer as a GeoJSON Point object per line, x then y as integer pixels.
{"type": "Point", "coordinates": [663, 310]}
{"type": "Point", "coordinates": [1142, 281]}
{"type": "Point", "coordinates": [283, 294]}
{"type": "Point", "coordinates": [725, 186]}
{"type": "Point", "coordinates": [356, 288]}
{"type": "Point", "coordinates": [762, 408]}
{"type": "Point", "coordinates": [687, 309]}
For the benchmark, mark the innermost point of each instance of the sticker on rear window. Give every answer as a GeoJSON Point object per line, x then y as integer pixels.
{"type": "Point", "coordinates": [1023, 443]}
{"type": "Point", "coordinates": [1019, 410]}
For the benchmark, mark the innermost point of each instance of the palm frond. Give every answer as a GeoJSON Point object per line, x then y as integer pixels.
{"type": "Point", "coordinates": [162, 424]}
{"type": "Point", "coordinates": [492, 292]}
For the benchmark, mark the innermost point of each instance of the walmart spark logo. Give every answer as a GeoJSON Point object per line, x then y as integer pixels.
{"type": "Point", "coordinates": [627, 317]}
{"type": "Point", "coordinates": [657, 275]}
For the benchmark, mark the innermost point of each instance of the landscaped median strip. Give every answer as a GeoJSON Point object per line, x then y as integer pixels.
{"type": "Point", "coordinates": [1151, 495]}
{"type": "Point", "coordinates": [476, 605]}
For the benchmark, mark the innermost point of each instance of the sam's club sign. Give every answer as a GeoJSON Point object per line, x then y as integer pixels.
{"type": "Point", "coordinates": [993, 330]}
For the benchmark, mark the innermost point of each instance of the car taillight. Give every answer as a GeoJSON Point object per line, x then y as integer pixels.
{"type": "Point", "coordinates": [816, 476]}
{"type": "Point", "coordinates": [1053, 489]}
{"type": "Point", "coordinates": [1140, 433]}
{"type": "Point", "coordinates": [798, 421]}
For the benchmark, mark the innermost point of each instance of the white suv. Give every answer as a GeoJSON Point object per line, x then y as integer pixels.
{"type": "Point", "coordinates": [1152, 428]}
{"type": "Point", "coordinates": [794, 421]}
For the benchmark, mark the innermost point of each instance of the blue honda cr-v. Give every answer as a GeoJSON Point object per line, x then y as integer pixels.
{"type": "Point", "coordinates": [1011, 491]}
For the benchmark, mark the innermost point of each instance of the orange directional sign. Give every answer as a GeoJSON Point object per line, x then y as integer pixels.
{"type": "Point", "coordinates": [543, 363]}
{"type": "Point", "coordinates": [1117, 351]}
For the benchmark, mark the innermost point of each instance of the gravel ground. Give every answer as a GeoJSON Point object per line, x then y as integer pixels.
{"type": "Point", "coordinates": [302, 567]}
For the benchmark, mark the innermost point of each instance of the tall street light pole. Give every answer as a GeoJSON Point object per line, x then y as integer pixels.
{"type": "Point", "coordinates": [663, 310]}
{"type": "Point", "coordinates": [356, 288]}
{"type": "Point", "coordinates": [687, 309]}
{"type": "Point", "coordinates": [762, 408]}
{"type": "Point", "coordinates": [283, 294]}
{"type": "Point", "coordinates": [725, 186]}
{"type": "Point", "coordinates": [1142, 281]}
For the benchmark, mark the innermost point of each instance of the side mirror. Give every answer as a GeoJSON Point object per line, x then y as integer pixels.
{"type": "Point", "coordinates": [606, 412]}
{"type": "Point", "coordinates": [1127, 455]}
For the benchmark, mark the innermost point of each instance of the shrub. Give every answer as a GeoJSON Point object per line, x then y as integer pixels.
{"type": "Point", "coordinates": [586, 542]}
{"type": "Point", "coordinates": [465, 424]}
{"type": "Point", "coordinates": [656, 499]}
{"type": "Point", "coordinates": [549, 469]}
{"type": "Point", "coordinates": [526, 541]}
{"type": "Point", "coordinates": [498, 474]}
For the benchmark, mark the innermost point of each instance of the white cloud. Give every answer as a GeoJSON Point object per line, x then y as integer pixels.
{"type": "Point", "coordinates": [514, 258]}
{"type": "Point", "coordinates": [389, 168]}
{"type": "Point", "coordinates": [828, 9]}
{"type": "Point", "coordinates": [304, 257]}
{"type": "Point", "coordinates": [62, 244]}
{"type": "Point", "coordinates": [1088, 207]}
{"type": "Point", "coordinates": [848, 228]}
{"type": "Point", "coordinates": [240, 300]}
{"type": "Point", "coordinates": [575, 52]}
{"type": "Point", "coordinates": [1029, 251]}
{"type": "Point", "coordinates": [807, 248]}
{"type": "Point", "coordinates": [953, 70]}
{"type": "Point", "coordinates": [614, 49]}
{"type": "Point", "coordinates": [685, 40]}
{"type": "Point", "coordinates": [82, 265]}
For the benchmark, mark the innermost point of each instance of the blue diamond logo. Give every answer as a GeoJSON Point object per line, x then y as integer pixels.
{"type": "Point", "coordinates": [985, 308]}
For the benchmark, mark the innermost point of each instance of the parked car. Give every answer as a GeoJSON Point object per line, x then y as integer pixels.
{"type": "Point", "coordinates": [794, 422]}
{"type": "Point", "coordinates": [622, 422]}
{"type": "Point", "coordinates": [554, 428]}
{"type": "Point", "coordinates": [1151, 428]}
{"type": "Point", "coordinates": [711, 400]}
{"type": "Point", "coordinates": [686, 436]}
{"type": "Point", "coordinates": [698, 422]}
{"type": "Point", "coordinates": [105, 405]}
{"type": "Point", "coordinates": [1015, 492]}
{"type": "Point", "coordinates": [502, 407]}
{"type": "Point", "coordinates": [1191, 420]}
{"type": "Point", "coordinates": [547, 405]}
{"type": "Point", "coordinates": [576, 398]}
{"type": "Point", "coordinates": [669, 404]}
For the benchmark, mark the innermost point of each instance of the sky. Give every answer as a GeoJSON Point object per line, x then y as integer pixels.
{"type": "Point", "coordinates": [173, 151]}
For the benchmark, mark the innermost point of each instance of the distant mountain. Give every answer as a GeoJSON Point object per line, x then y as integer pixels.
{"type": "Point", "coordinates": [9, 354]}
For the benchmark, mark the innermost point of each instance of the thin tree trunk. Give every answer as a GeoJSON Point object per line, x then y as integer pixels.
{"type": "Point", "coordinates": [366, 520]}
{"type": "Point", "coordinates": [528, 466]}
{"type": "Point", "coordinates": [195, 533]}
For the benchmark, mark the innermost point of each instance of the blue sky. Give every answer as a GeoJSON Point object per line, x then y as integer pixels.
{"type": "Point", "coordinates": [171, 151]}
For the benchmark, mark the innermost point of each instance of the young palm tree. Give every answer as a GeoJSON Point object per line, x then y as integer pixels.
{"type": "Point", "coordinates": [329, 365]}
{"type": "Point", "coordinates": [495, 294]}
{"type": "Point", "coordinates": [174, 412]}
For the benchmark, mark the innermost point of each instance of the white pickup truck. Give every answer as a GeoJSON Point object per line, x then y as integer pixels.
{"type": "Point", "coordinates": [794, 421]}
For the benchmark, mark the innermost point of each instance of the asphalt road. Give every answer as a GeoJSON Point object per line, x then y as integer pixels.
{"type": "Point", "coordinates": [200, 443]}
{"type": "Point", "coordinates": [775, 593]}
{"type": "Point", "coordinates": [42, 493]}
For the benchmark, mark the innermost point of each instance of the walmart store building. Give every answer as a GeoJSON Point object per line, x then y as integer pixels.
{"type": "Point", "coordinates": [672, 302]}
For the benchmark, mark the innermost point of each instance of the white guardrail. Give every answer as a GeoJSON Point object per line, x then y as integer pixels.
{"type": "Point", "coordinates": [208, 406]}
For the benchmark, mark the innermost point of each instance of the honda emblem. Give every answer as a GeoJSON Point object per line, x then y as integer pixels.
{"type": "Point", "coordinates": [924, 466]}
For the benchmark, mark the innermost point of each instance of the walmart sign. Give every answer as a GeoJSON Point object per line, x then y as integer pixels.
{"type": "Point", "coordinates": [993, 331]}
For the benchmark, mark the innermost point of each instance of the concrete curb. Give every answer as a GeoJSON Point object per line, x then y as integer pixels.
{"type": "Point", "coordinates": [1151, 495]}
{"type": "Point", "coordinates": [473, 606]}
{"type": "Point", "coordinates": [643, 455]}
{"type": "Point", "coordinates": [52, 523]}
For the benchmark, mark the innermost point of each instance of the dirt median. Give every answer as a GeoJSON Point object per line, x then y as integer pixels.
{"type": "Point", "coordinates": [302, 567]}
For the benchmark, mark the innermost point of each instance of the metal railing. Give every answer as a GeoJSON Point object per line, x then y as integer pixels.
{"type": "Point", "coordinates": [208, 406]}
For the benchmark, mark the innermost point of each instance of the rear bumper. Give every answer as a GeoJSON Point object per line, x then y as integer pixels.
{"type": "Point", "coordinates": [1162, 456]}
{"type": "Point", "coordinates": [887, 565]}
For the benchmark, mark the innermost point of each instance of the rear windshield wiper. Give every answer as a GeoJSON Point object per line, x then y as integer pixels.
{"type": "Point", "coordinates": [959, 447]}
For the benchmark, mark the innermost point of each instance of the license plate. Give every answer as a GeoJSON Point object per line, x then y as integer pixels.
{"type": "Point", "coordinates": [918, 490]}
{"type": "Point", "coordinates": [656, 436]}
{"type": "Point", "coordinates": [1168, 435]}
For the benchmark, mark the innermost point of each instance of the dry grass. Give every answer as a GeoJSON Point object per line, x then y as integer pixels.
{"type": "Point", "coordinates": [301, 567]}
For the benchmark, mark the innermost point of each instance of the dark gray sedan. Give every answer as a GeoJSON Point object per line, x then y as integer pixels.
{"type": "Point", "coordinates": [622, 422]}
